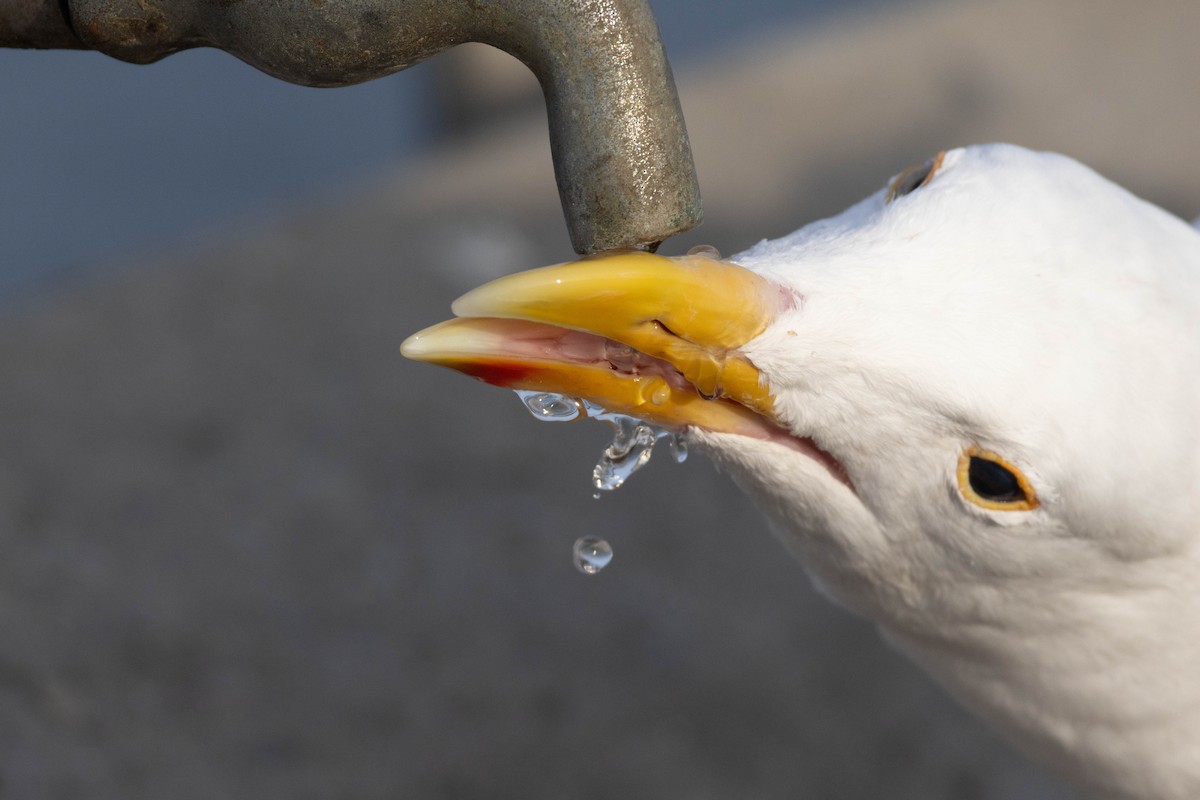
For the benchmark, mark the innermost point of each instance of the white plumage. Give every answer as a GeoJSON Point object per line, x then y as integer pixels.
{"type": "Point", "coordinates": [973, 412]}
{"type": "Point", "coordinates": [1021, 303]}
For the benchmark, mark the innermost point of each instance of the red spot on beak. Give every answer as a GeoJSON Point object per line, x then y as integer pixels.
{"type": "Point", "coordinates": [497, 373]}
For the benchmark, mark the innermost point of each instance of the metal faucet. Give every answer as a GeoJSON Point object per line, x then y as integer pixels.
{"type": "Point", "coordinates": [621, 154]}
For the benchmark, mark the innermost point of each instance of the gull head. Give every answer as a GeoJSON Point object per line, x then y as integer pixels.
{"type": "Point", "coordinates": [968, 404]}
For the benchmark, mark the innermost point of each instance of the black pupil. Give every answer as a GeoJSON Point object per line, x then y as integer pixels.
{"type": "Point", "coordinates": [991, 481]}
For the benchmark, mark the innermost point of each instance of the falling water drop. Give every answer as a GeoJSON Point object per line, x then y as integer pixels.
{"type": "Point", "coordinates": [592, 554]}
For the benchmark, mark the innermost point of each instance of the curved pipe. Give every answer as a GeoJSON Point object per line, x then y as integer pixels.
{"type": "Point", "coordinates": [621, 153]}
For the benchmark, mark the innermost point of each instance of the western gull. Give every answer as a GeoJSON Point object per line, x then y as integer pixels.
{"type": "Point", "coordinates": [970, 405]}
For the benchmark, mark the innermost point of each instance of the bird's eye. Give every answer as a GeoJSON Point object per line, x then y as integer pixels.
{"type": "Point", "coordinates": [914, 177]}
{"type": "Point", "coordinates": [990, 482]}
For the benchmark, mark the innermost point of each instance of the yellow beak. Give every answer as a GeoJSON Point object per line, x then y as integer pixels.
{"type": "Point", "coordinates": [557, 329]}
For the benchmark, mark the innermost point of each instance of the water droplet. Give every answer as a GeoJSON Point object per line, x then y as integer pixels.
{"type": "Point", "coordinates": [592, 554]}
{"type": "Point", "coordinates": [706, 250]}
{"type": "Point", "coordinates": [631, 448]}
{"type": "Point", "coordinates": [633, 440]}
{"type": "Point", "coordinates": [660, 393]}
{"type": "Point", "coordinates": [678, 447]}
{"type": "Point", "coordinates": [550, 407]}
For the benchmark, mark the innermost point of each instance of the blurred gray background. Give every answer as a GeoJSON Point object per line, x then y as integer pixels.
{"type": "Point", "coordinates": [247, 551]}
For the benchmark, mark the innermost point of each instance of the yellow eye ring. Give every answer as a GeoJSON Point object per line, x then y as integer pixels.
{"type": "Point", "coordinates": [989, 481]}
{"type": "Point", "coordinates": [914, 177]}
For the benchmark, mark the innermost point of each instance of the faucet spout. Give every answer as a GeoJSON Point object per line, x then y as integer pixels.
{"type": "Point", "coordinates": [621, 154]}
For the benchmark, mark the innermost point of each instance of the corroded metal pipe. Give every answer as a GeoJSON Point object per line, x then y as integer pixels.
{"type": "Point", "coordinates": [621, 154]}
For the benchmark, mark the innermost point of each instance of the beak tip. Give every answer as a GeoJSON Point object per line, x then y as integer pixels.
{"type": "Point", "coordinates": [424, 345]}
{"type": "Point", "coordinates": [412, 347]}
{"type": "Point", "coordinates": [451, 339]}
{"type": "Point", "coordinates": [473, 304]}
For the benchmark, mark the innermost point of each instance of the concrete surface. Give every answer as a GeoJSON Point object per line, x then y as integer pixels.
{"type": "Point", "coordinates": [249, 552]}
